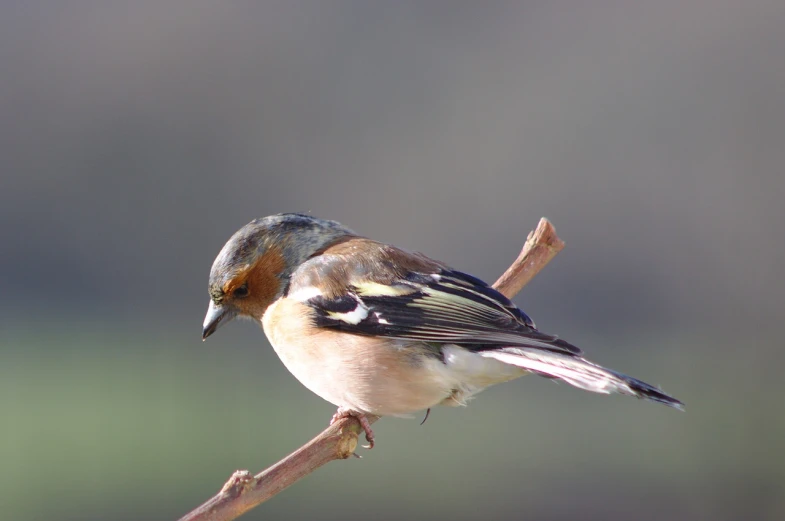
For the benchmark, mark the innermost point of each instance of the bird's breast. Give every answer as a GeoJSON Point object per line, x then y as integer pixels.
{"type": "Point", "coordinates": [381, 376]}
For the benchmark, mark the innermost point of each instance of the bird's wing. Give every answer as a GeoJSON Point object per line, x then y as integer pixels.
{"type": "Point", "coordinates": [369, 288]}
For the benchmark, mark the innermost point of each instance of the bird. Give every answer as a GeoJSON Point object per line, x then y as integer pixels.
{"type": "Point", "coordinates": [378, 330]}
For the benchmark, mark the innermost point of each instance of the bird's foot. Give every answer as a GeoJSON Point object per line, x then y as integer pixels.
{"type": "Point", "coordinates": [343, 412]}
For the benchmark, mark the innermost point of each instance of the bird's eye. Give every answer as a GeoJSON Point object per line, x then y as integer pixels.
{"type": "Point", "coordinates": [241, 291]}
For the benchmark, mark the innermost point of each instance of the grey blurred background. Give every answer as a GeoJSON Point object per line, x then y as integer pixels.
{"type": "Point", "coordinates": [137, 137]}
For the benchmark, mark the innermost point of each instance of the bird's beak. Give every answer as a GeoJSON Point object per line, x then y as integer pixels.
{"type": "Point", "coordinates": [217, 315]}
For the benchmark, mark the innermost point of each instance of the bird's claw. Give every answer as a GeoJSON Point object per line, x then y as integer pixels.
{"type": "Point", "coordinates": [364, 423]}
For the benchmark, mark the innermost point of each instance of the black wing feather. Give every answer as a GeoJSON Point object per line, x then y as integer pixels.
{"type": "Point", "coordinates": [444, 307]}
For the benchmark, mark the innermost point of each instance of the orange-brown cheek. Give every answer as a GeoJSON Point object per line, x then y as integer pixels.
{"type": "Point", "coordinates": [263, 283]}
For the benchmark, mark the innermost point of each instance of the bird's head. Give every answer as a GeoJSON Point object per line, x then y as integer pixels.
{"type": "Point", "coordinates": [253, 268]}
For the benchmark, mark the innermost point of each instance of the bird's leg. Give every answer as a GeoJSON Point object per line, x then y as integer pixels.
{"type": "Point", "coordinates": [344, 412]}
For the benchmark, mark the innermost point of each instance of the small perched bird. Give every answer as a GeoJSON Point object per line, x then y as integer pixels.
{"type": "Point", "coordinates": [378, 330]}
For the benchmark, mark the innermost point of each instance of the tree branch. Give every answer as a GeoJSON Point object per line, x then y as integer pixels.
{"type": "Point", "coordinates": [244, 491]}
{"type": "Point", "coordinates": [541, 246]}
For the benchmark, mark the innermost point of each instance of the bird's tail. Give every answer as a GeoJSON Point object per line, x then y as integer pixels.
{"type": "Point", "coordinates": [580, 373]}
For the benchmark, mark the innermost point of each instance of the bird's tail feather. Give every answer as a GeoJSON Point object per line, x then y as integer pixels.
{"type": "Point", "coordinates": [580, 373]}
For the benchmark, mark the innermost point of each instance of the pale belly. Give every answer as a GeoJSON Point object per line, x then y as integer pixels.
{"type": "Point", "coordinates": [385, 377]}
{"type": "Point", "coordinates": [384, 382]}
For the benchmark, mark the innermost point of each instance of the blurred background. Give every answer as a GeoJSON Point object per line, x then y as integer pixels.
{"type": "Point", "coordinates": [137, 137]}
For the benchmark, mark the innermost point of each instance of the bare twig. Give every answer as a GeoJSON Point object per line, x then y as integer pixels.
{"type": "Point", "coordinates": [541, 246]}
{"type": "Point", "coordinates": [244, 491]}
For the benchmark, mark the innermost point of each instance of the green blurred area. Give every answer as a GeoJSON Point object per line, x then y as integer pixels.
{"type": "Point", "coordinates": [114, 425]}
